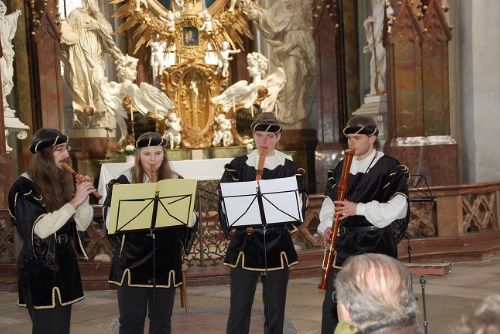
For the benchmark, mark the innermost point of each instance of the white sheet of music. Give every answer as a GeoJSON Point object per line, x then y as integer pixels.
{"type": "Point", "coordinates": [281, 201]}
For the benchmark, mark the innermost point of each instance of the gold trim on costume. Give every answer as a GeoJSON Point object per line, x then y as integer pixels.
{"type": "Point", "coordinates": [171, 278]}
{"type": "Point", "coordinates": [54, 289]}
{"type": "Point", "coordinates": [241, 256]}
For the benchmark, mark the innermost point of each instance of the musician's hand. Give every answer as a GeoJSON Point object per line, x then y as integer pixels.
{"type": "Point", "coordinates": [327, 234]}
{"type": "Point", "coordinates": [82, 193]}
{"type": "Point", "coordinates": [345, 209]}
{"type": "Point", "coordinates": [87, 178]}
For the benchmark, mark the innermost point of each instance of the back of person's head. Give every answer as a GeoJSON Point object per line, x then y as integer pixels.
{"type": "Point", "coordinates": [376, 291]}
{"type": "Point", "coordinates": [485, 320]}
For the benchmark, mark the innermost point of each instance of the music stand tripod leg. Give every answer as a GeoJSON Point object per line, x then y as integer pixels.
{"type": "Point", "coordinates": [426, 323]}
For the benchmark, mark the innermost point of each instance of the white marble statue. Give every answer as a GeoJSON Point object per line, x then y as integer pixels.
{"type": "Point", "coordinates": [223, 132]}
{"type": "Point", "coordinates": [285, 25]}
{"type": "Point", "coordinates": [374, 29]}
{"type": "Point", "coordinates": [174, 129]}
{"type": "Point", "coordinates": [86, 36]}
{"type": "Point", "coordinates": [225, 57]}
{"type": "Point", "coordinates": [158, 58]}
{"type": "Point", "coordinates": [8, 27]}
{"type": "Point", "coordinates": [170, 20]}
{"type": "Point", "coordinates": [247, 93]}
{"type": "Point", "coordinates": [145, 97]}
{"type": "Point", "coordinates": [207, 24]}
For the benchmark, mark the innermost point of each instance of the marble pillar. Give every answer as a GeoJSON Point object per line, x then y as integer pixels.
{"type": "Point", "coordinates": [480, 89]}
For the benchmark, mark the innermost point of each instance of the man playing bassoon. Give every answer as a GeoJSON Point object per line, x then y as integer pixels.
{"type": "Point", "coordinates": [375, 214]}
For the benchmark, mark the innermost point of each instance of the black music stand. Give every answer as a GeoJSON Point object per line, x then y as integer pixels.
{"type": "Point", "coordinates": [248, 200]}
{"type": "Point", "coordinates": [151, 206]}
{"type": "Point", "coordinates": [422, 195]}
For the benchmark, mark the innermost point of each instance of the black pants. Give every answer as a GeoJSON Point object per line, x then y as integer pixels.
{"type": "Point", "coordinates": [51, 320]}
{"type": "Point", "coordinates": [133, 303]}
{"type": "Point", "coordinates": [243, 284]}
{"type": "Point", "coordinates": [330, 318]}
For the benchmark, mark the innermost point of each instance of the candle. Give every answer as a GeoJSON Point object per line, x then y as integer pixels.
{"type": "Point", "coordinates": [131, 114]}
{"type": "Point", "coordinates": [276, 108]}
{"type": "Point", "coordinates": [106, 118]}
{"type": "Point", "coordinates": [234, 106]}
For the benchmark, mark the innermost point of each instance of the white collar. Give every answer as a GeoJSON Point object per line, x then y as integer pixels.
{"type": "Point", "coordinates": [271, 162]}
{"type": "Point", "coordinates": [363, 166]}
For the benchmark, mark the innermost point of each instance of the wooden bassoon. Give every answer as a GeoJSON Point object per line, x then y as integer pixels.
{"type": "Point", "coordinates": [342, 184]}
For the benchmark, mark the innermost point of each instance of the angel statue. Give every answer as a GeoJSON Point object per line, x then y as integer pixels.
{"type": "Point", "coordinates": [145, 97]}
{"type": "Point", "coordinates": [158, 58]}
{"type": "Point", "coordinates": [8, 27]}
{"type": "Point", "coordinates": [224, 58]}
{"type": "Point", "coordinates": [247, 93]}
{"type": "Point", "coordinates": [174, 129]}
{"type": "Point", "coordinates": [223, 132]}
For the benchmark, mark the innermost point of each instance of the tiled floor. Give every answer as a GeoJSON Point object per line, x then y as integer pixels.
{"type": "Point", "coordinates": [447, 297]}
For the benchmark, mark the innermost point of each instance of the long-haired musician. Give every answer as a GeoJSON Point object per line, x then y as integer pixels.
{"type": "Point", "coordinates": [132, 267]}
{"type": "Point", "coordinates": [375, 214]}
{"type": "Point", "coordinates": [247, 252]}
{"type": "Point", "coordinates": [47, 209]}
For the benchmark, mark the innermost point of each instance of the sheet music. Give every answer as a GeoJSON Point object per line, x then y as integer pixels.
{"type": "Point", "coordinates": [241, 203]}
{"type": "Point", "coordinates": [281, 201]}
{"type": "Point", "coordinates": [281, 195]}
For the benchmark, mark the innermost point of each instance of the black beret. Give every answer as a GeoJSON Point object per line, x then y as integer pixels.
{"type": "Point", "coordinates": [363, 130]}
{"type": "Point", "coordinates": [150, 139]}
{"type": "Point", "coordinates": [267, 122]}
{"type": "Point", "coordinates": [46, 137]}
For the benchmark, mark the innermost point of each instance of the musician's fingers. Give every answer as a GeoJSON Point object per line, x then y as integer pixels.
{"type": "Point", "coordinates": [86, 178]}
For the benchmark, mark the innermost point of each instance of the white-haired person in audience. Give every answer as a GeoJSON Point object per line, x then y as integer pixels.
{"type": "Point", "coordinates": [485, 320]}
{"type": "Point", "coordinates": [374, 296]}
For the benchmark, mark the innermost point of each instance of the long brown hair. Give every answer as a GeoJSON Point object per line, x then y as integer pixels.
{"type": "Point", "coordinates": [164, 172]}
{"type": "Point", "coordinates": [56, 186]}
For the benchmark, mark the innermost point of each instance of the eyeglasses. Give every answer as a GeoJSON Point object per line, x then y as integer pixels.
{"type": "Point", "coordinates": [61, 149]}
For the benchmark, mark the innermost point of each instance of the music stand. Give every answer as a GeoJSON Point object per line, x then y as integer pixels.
{"type": "Point", "coordinates": [275, 201]}
{"type": "Point", "coordinates": [150, 206]}
{"type": "Point", "coordinates": [423, 195]}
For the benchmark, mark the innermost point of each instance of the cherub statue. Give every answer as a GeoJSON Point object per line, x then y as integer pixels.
{"type": "Point", "coordinates": [207, 24]}
{"type": "Point", "coordinates": [223, 132]}
{"type": "Point", "coordinates": [225, 57]}
{"type": "Point", "coordinates": [170, 20]}
{"type": "Point", "coordinates": [173, 132]}
{"type": "Point", "coordinates": [247, 93]}
{"type": "Point", "coordinates": [138, 4]}
{"type": "Point", "coordinates": [145, 97]}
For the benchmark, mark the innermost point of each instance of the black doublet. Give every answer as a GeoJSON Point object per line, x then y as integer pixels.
{"type": "Point", "coordinates": [381, 183]}
{"type": "Point", "coordinates": [247, 250]}
{"type": "Point", "coordinates": [47, 269]}
{"type": "Point", "coordinates": [132, 261]}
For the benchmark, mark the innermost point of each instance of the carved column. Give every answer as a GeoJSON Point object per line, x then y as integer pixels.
{"type": "Point", "coordinates": [418, 98]}
{"type": "Point", "coordinates": [46, 80]}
